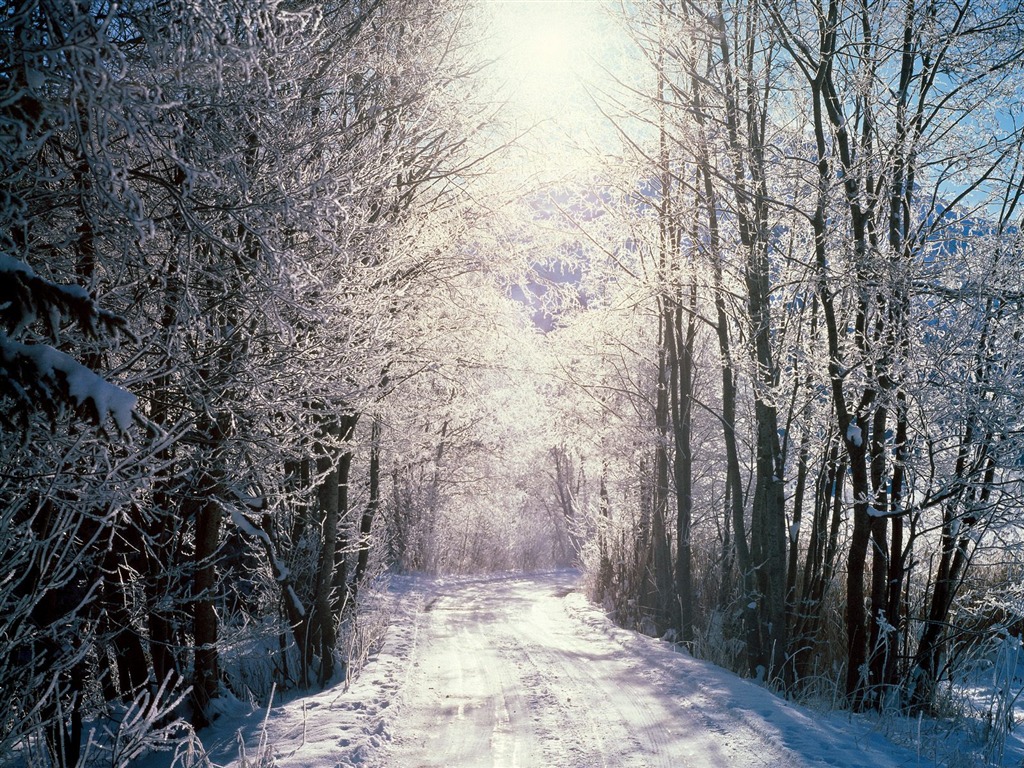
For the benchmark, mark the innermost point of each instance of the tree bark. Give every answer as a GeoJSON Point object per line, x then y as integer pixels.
{"type": "Point", "coordinates": [206, 678]}
{"type": "Point", "coordinates": [372, 504]}
{"type": "Point", "coordinates": [681, 365]}
{"type": "Point", "coordinates": [322, 629]}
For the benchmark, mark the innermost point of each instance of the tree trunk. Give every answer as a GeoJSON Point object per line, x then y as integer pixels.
{"type": "Point", "coordinates": [342, 593]}
{"type": "Point", "coordinates": [322, 630]}
{"type": "Point", "coordinates": [925, 673]}
{"type": "Point", "coordinates": [125, 645]}
{"type": "Point", "coordinates": [956, 539]}
{"type": "Point", "coordinates": [206, 679]}
{"type": "Point", "coordinates": [681, 366]}
{"type": "Point", "coordinates": [857, 680]}
{"type": "Point", "coordinates": [744, 109]}
{"type": "Point", "coordinates": [372, 504]}
{"type": "Point", "coordinates": [820, 562]}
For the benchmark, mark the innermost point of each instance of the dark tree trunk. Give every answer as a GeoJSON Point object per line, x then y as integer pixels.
{"type": "Point", "coordinates": [372, 504]}
{"type": "Point", "coordinates": [161, 561]}
{"type": "Point", "coordinates": [706, 176]}
{"type": "Point", "coordinates": [330, 585]}
{"type": "Point", "coordinates": [342, 589]}
{"type": "Point", "coordinates": [792, 567]}
{"type": "Point", "coordinates": [957, 526]}
{"type": "Point", "coordinates": [125, 645]}
{"type": "Point", "coordinates": [856, 571]}
{"type": "Point", "coordinates": [206, 678]}
{"type": "Point", "coordinates": [661, 547]}
{"type": "Point", "coordinates": [820, 562]}
{"type": "Point", "coordinates": [681, 365]}
{"type": "Point", "coordinates": [322, 629]}
{"type": "Point", "coordinates": [925, 673]}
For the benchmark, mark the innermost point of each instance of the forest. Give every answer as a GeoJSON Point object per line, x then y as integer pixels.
{"type": "Point", "coordinates": [295, 295]}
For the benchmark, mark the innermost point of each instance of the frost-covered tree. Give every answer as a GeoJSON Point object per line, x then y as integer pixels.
{"type": "Point", "coordinates": [240, 184]}
{"type": "Point", "coordinates": [837, 176]}
{"type": "Point", "coordinates": [65, 486]}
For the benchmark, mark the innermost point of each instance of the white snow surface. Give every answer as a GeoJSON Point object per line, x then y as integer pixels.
{"type": "Point", "coordinates": [523, 671]}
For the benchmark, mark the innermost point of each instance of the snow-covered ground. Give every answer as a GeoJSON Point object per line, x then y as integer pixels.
{"type": "Point", "coordinates": [520, 670]}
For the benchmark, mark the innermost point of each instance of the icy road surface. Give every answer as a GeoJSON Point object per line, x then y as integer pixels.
{"type": "Point", "coordinates": [522, 671]}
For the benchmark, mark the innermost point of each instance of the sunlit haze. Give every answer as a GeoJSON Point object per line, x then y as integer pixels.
{"type": "Point", "coordinates": [550, 58]}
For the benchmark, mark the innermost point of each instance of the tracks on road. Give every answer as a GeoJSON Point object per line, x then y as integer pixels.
{"type": "Point", "coordinates": [503, 675]}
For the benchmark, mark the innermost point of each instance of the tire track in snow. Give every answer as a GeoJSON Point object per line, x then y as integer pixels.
{"type": "Point", "coordinates": [503, 678]}
{"type": "Point", "coordinates": [603, 716]}
{"type": "Point", "coordinates": [462, 704]}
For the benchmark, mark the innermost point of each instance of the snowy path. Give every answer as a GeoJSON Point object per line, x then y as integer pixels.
{"type": "Point", "coordinates": [507, 671]}
{"type": "Point", "coordinates": [522, 672]}
{"type": "Point", "coordinates": [500, 670]}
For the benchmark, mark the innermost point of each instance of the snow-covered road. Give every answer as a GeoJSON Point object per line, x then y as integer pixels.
{"type": "Point", "coordinates": [502, 676]}
{"type": "Point", "coordinates": [523, 672]}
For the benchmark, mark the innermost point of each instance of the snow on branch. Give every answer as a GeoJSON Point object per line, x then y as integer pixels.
{"type": "Point", "coordinates": [26, 297]}
{"type": "Point", "coordinates": [39, 375]}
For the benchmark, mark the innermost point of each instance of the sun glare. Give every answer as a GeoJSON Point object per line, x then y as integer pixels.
{"type": "Point", "coordinates": [547, 56]}
{"type": "Point", "coordinates": [546, 46]}
{"type": "Point", "coordinates": [546, 49]}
